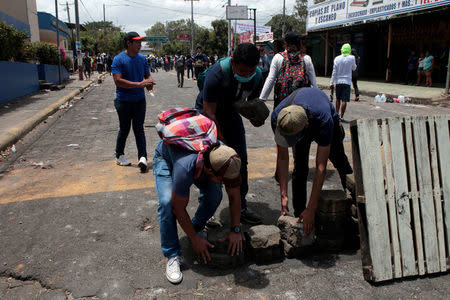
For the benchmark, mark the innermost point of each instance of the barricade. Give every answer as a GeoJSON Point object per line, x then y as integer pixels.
{"type": "Point", "coordinates": [402, 179]}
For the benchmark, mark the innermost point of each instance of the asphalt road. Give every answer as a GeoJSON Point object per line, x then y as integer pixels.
{"type": "Point", "coordinates": [74, 225]}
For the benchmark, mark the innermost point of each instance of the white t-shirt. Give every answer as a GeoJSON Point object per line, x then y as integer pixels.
{"type": "Point", "coordinates": [342, 69]}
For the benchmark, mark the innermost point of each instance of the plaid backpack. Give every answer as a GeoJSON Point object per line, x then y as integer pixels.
{"type": "Point", "coordinates": [293, 75]}
{"type": "Point", "coordinates": [187, 128]}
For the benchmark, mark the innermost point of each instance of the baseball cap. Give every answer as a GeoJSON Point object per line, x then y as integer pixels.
{"type": "Point", "coordinates": [134, 36]}
{"type": "Point", "coordinates": [225, 162]}
{"type": "Point", "coordinates": [346, 49]}
{"type": "Point", "coordinates": [291, 122]}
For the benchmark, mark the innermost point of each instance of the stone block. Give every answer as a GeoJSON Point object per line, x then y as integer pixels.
{"type": "Point", "coordinates": [264, 243]}
{"type": "Point", "coordinates": [219, 254]}
{"type": "Point", "coordinates": [292, 232]}
{"type": "Point", "coordinates": [264, 236]}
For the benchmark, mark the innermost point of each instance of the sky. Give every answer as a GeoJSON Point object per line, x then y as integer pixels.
{"type": "Point", "coordinates": [140, 15]}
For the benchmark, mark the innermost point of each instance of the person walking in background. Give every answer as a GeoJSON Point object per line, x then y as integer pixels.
{"type": "Point", "coordinates": [289, 71]}
{"type": "Point", "coordinates": [180, 66]}
{"type": "Point", "coordinates": [200, 61]}
{"type": "Point", "coordinates": [355, 74]}
{"type": "Point", "coordinates": [420, 68]}
{"type": "Point", "coordinates": [411, 68]}
{"type": "Point", "coordinates": [131, 75]}
{"type": "Point", "coordinates": [109, 61]}
{"type": "Point", "coordinates": [428, 64]}
{"type": "Point", "coordinates": [343, 66]}
{"type": "Point", "coordinates": [100, 64]}
{"type": "Point", "coordinates": [87, 65]}
{"type": "Point", "coordinates": [190, 68]}
{"type": "Point", "coordinates": [264, 63]}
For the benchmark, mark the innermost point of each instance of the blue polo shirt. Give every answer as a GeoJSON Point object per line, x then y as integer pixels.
{"type": "Point", "coordinates": [132, 68]}
{"type": "Point", "coordinates": [321, 114]}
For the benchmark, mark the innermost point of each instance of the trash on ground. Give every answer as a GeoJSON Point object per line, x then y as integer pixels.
{"type": "Point", "coordinates": [13, 148]}
{"type": "Point", "coordinates": [62, 107]}
{"type": "Point", "coordinates": [94, 118]}
{"type": "Point", "coordinates": [73, 145]}
{"type": "Point", "coordinates": [152, 94]}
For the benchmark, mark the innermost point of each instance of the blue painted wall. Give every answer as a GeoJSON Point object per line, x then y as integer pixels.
{"type": "Point", "coordinates": [49, 73]}
{"type": "Point", "coordinates": [17, 80]}
{"type": "Point", "coordinates": [45, 22]}
{"type": "Point", "coordinates": [19, 25]}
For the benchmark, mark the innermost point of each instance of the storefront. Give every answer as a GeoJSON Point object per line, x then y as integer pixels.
{"type": "Point", "coordinates": [383, 32]}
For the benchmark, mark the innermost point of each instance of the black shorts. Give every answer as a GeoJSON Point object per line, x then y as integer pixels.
{"type": "Point", "coordinates": [343, 92]}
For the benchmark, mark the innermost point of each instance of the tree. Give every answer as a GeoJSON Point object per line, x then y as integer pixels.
{"type": "Point", "coordinates": [292, 24]}
{"type": "Point", "coordinates": [102, 37]}
{"type": "Point", "coordinates": [301, 12]}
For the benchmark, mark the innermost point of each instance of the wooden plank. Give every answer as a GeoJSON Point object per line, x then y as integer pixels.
{"type": "Point", "coordinates": [426, 195]}
{"type": "Point", "coordinates": [414, 196]}
{"type": "Point", "coordinates": [391, 201]}
{"type": "Point", "coordinates": [437, 195]}
{"type": "Point", "coordinates": [402, 197]}
{"type": "Point", "coordinates": [376, 210]}
{"type": "Point", "coordinates": [359, 192]}
{"type": "Point", "coordinates": [443, 149]}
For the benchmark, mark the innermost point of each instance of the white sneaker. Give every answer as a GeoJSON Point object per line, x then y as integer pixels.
{"type": "Point", "coordinates": [123, 161]}
{"type": "Point", "coordinates": [142, 164]}
{"type": "Point", "coordinates": [173, 271]}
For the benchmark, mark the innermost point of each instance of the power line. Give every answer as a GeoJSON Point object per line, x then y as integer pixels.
{"type": "Point", "coordinates": [87, 11]}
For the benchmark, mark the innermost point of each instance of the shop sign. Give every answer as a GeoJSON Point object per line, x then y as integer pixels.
{"type": "Point", "coordinates": [339, 12]}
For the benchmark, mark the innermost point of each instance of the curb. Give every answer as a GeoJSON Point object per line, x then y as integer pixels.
{"type": "Point", "coordinates": [16, 133]}
{"type": "Point", "coordinates": [428, 101]}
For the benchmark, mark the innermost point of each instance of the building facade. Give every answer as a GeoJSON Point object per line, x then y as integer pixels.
{"type": "Point", "coordinates": [21, 14]}
{"type": "Point", "coordinates": [383, 32]}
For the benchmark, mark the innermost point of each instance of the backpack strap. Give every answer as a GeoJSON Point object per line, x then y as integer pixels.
{"type": "Point", "coordinates": [225, 65]}
{"type": "Point", "coordinates": [291, 97]}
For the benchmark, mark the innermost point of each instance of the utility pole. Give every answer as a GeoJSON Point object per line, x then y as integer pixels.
{"type": "Point", "coordinates": [254, 24]}
{"type": "Point", "coordinates": [104, 19]}
{"type": "Point", "coordinates": [283, 27]}
{"type": "Point", "coordinates": [77, 26]}
{"type": "Point", "coordinates": [192, 25]}
{"type": "Point", "coordinates": [57, 42]}
{"type": "Point", "coordinates": [229, 32]}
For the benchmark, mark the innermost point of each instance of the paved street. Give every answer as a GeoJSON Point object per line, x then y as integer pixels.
{"type": "Point", "coordinates": [74, 225]}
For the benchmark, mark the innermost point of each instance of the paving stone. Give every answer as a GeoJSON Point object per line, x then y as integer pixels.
{"type": "Point", "coordinates": [219, 254]}
{"type": "Point", "coordinates": [292, 232]}
{"type": "Point", "coordinates": [25, 292]}
{"type": "Point", "coordinates": [264, 236]}
{"type": "Point", "coordinates": [51, 295]}
{"type": "Point", "coordinates": [13, 283]}
{"type": "Point", "coordinates": [333, 201]}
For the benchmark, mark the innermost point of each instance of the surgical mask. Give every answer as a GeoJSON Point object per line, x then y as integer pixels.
{"type": "Point", "coordinates": [242, 79]}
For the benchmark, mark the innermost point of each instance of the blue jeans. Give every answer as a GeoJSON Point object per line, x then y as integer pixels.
{"type": "Point", "coordinates": [209, 200]}
{"type": "Point", "coordinates": [131, 113]}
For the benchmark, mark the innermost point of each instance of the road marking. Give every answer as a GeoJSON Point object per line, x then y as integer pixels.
{"type": "Point", "coordinates": [101, 177]}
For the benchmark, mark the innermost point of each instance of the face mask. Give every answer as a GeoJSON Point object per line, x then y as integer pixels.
{"type": "Point", "coordinates": [243, 79]}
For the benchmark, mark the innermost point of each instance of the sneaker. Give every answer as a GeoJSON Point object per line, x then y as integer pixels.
{"type": "Point", "coordinates": [173, 270]}
{"type": "Point", "coordinates": [123, 161]}
{"type": "Point", "coordinates": [143, 164]}
{"type": "Point", "coordinates": [250, 217]}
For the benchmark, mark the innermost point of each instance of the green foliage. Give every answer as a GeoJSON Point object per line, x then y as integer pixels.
{"type": "Point", "coordinates": [46, 53]}
{"type": "Point", "coordinates": [102, 37]}
{"type": "Point", "coordinates": [292, 24]}
{"type": "Point", "coordinates": [301, 8]}
{"type": "Point", "coordinates": [67, 63]}
{"type": "Point", "coordinates": [11, 41]}
{"type": "Point", "coordinates": [211, 41]}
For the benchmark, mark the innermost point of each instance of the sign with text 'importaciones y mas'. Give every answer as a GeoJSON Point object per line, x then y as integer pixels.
{"type": "Point", "coordinates": [338, 12]}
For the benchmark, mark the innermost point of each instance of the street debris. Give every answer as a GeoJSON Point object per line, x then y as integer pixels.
{"type": "Point", "coordinates": [94, 118]}
{"type": "Point", "coordinates": [41, 165]}
{"type": "Point", "coordinates": [152, 94]}
{"type": "Point", "coordinates": [73, 145]}
{"type": "Point", "coordinates": [146, 225]}
{"type": "Point", "coordinates": [13, 149]}
{"type": "Point", "coordinates": [62, 106]}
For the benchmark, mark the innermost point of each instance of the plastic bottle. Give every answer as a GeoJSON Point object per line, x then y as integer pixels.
{"type": "Point", "coordinates": [383, 98]}
{"type": "Point", "coordinates": [401, 98]}
{"type": "Point", "coordinates": [377, 98]}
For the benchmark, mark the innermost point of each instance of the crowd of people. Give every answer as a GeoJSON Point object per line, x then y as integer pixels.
{"type": "Point", "coordinates": [218, 154]}
{"type": "Point", "coordinates": [88, 63]}
{"type": "Point", "coordinates": [420, 67]}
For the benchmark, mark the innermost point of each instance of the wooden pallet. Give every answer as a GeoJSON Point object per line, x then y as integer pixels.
{"type": "Point", "coordinates": [402, 179]}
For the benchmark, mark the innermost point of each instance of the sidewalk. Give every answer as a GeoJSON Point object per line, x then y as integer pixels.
{"type": "Point", "coordinates": [21, 115]}
{"type": "Point", "coordinates": [418, 94]}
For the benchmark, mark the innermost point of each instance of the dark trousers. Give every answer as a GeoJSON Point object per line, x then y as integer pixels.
{"type": "Point", "coordinates": [355, 85]}
{"type": "Point", "coordinates": [131, 113]}
{"type": "Point", "coordinates": [301, 168]}
{"type": "Point", "coordinates": [198, 70]}
{"type": "Point", "coordinates": [234, 133]}
{"type": "Point", "coordinates": [180, 76]}
{"type": "Point", "coordinates": [191, 70]}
